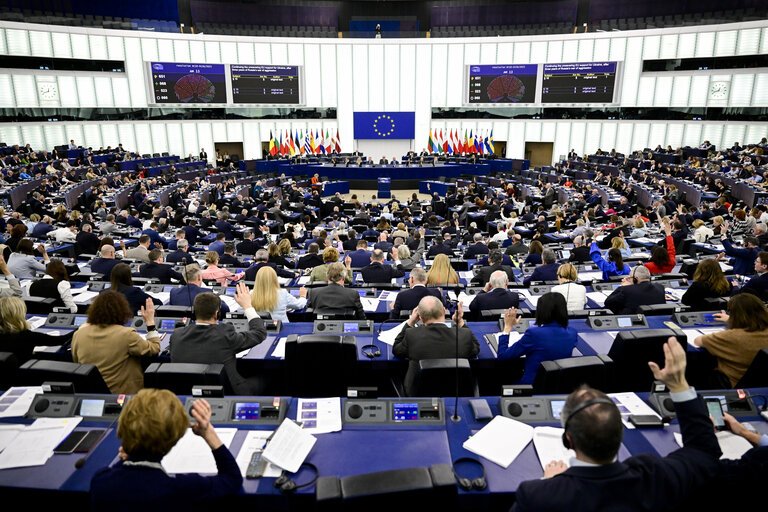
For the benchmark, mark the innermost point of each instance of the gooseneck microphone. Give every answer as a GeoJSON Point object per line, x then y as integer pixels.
{"type": "Point", "coordinates": [456, 418]}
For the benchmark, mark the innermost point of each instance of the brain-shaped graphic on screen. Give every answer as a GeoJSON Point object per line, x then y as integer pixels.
{"type": "Point", "coordinates": [194, 88]}
{"type": "Point", "coordinates": [506, 89]}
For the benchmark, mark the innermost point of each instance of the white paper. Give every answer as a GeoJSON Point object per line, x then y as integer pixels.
{"type": "Point", "coordinates": [8, 433]}
{"type": "Point", "coordinates": [284, 280]}
{"type": "Point", "coordinates": [691, 334]}
{"type": "Point", "coordinates": [583, 276]}
{"type": "Point", "coordinates": [16, 401]}
{"type": "Point", "coordinates": [85, 297]}
{"type": "Point", "coordinates": [500, 441]}
{"type": "Point", "coordinates": [36, 322]}
{"type": "Point", "coordinates": [319, 415]}
{"type": "Point", "coordinates": [514, 337]}
{"type": "Point", "coordinates": [629, 403]}
{"type": "Point", "coordinates": [725, 267]}
{"type": "Point", "coordinates": [598, 297]}
{"type": "Point", "coordinates": [675, 293]}
{"type": "Point", "coordinates": [231, 303]}
{"type": "Point", "coordinates": [548, 442]}
{"type": "Point", "coordinates": [34, 445]}
{"type": "Point", "coordinates": [165, 297]}
{"type": "Point", "coordinates": [389, 335]}
{"type": "Point", "coordinates": [289, 447]}
{"type": "Point", "coordinates": [193, 455]}
{"type": "Point", "coordinates": [279, 350]}
{"type": "Point", "coordinates": [732, 446]}
{"type": "Point", "coordinates": [304, 280]}
{"type": "Point", "coordinates": [388, 296]}
{"type": "Point", "coordinates": [466, 274]}
{"type": "Point", "coordinates": [710, 330]}
{"type": "Point", "coordinates": [254, 440]}
{"type": "Point", "coordinates": [369, 304]}
{"type": "Point", "coordinates": [466, 300]}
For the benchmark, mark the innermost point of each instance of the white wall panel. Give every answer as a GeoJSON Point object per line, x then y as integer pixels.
{"type": "Point", "coordinates": [120, 91]}
{"type": "Point", "coordinates": [699, 90]}
{"type": "Point", "coordinates": [61, 45]}
{"type": "Point", "coordinates": [668, 46]}
{"type": "Point", "coordinates": [85, 91]}
{"type": "Point", "coordinates": [109, 135]}
{"type": "Point", "coordinates": [686, 45]}
{"type": "Point", "coordinates": [235, 132]}
{"type": "Point", "coordinates": [149, 49]}
{"type": "Point", "coordinates": [455, 71]}
{"type": "Point", "coordinates": [115, 50]}
{"type": "Point", "coordinates": [681, 90]}
{"type": "Point", "coordinates": [98, 46]}
{"type": "Point", "coordinates": [212, 52]}
{"type": "Point", "coordinates": [134, 68]}
{"type": "Point", "coordinates": [143, 138]}
{"type": "Point", "coordinates": [651, 47]}
{"type": "Point", "coordinates": [159, 137]}
{"type": "Point", "coordinates": [375, 77]}
{"type": "Point", "coordinates": [252, 140]}
{"type": "Point", "coordinates": [515, 140]}
{"type": "Point", "coordinates": [359, 88]}
{"type": "Point", "coordinates": [522, 54]}
{"type": "Point", "coordinates": [279, 53]}
{"type": "Point", "coordinates": [713, 133]}
{"type": "Point", "coordinates": [663, 91]}
{"type": "Point", "coordinates": [263, 53]}
{"type": "Point", "coordinates": [592, 137]}
{"type": "Point", "coordinates": [692, 135]}
{"type": "Point", "coordinates": [103, 88]}
{"type": "Point", "coordinates": [312, 68]}
{"type": "Point", "coordinates": [602, 49]}
{"type": "Point", "coordinates": [725, 42]}
{"type": "Point", "coordinates": [538, 52]}
{"type": "Point", "coordinates": [658, 135]}
{"type": "Point", "coordinates": [439, 74]}
{"type": "Point", "coordinates": [25, 90]}
{"type": "Point", "coordinates": [754, 133]}
{"type": "Point", "coordinates": [175, 139]}
{"type": "Point", "coordinates": [32, 135]}
{"type": "Point", "coordinates": [344, 84]}
{"type": "Point", "coordinates": [640, 136]}
{"type": "Point", "coordinates": [749, 41]}
{"type": "Point", "coordinates": [608, 136]}
{"type": "Point", "coordinates": [505, 52]}
{"type": "Point", "coordinates": [674, 135]}
{"type": "Point", "coordinates": [741, 90]}
{"type": "Point", "coordinates": [6, 92]}
{"type": "Point", "coordinates": [618, 48]}
{"type": "Point", "coordinates": [10, 133]}
{"type": "Point", "coordinates": [18, 41]}
{"type": "Point", "coordinates": [197, 51]}
{"type": "Point", "coordinates": [408, 79]}
{"type": "Point", "coordinates": [68, 91]}
{"type": "Point", "coordinates": [126, 135]}
{"type": "Point", "coordinates": [733, 132]}
{"type": "Point", "coordinates": [764, 41]}
{"type": "Point", "coordinates": [547, 131]}
{"type": "Point", "coordinates": [392, 78]}
{"type": "Point", "coordinates": [165, 50]}
{"type": "Point", "coordinates": [705, 43]}
{"type": "Point", "coordinates": [219, 131]}
{"type": "Point", "coordinates": [92, 136]}
{"type": "Point", "coordinates": [486, 53]}
{"type": "Point", "coordinates": [578, 130]}
{"type": "Point", "coordinates": [3, 47]}
{"type": "Point", "coordinates": [40, 43]}
{"type": "Point", "coordinates": [189, 136]}
{"type": "Point", "coordinates": [54, 135]}
{"type": "Point", "coordinates": [245, 53]}
{"type": "Point", "coordinates": [645, 91]}
{"type": "Point", "coordinates": [562, 139]}
{"type": "Point", "coordinates": [632, 68]}
{"type": "Point", "coordinates": [570, 51]}
{"type": "Point", "coordinates": [229, 52]}
{"type": "Point", "coordinates": [586, 50]}
{"type": "Point", "coordinates": [532, 131]}
{"type": "Point", "coordinates": [329, 74]}
{"type": "Point", "coordinates": [760, 91]}
{"type": "Point", "coordinates": [555, 51]}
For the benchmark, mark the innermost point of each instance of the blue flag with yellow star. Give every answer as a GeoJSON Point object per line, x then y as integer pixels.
{"type": "Point", "coordinates": [385, 125]}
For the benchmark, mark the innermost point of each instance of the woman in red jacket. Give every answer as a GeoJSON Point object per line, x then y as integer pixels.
{"type": "Point", "coordinates": [663, 260]}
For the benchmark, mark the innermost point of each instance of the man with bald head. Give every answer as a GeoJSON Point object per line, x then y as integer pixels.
{"type": "Point", "coordinates": [434, 339]}
{"type": "Point", "coordinates": [378, 272]}
{"type": "Point", "coordinates": [407, 300]}
{"type": "Point", "coordinates": [105, 262]}
{"type": "Point", "coordinates": [495, 295]}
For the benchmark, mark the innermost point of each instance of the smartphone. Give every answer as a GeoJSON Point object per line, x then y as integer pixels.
{"type": "Point", "coordinates": [256, 466]}
{"type": "Point", "coordinates": [715, 409]}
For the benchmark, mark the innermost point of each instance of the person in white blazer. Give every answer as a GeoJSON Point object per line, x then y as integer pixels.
{"type": "Point", "coordinates": [574, 293]}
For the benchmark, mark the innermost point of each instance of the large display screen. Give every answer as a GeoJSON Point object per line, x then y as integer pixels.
{"type": "Point", "coordinates": [194, 84]}
{"type": "Point", "coordinates": [580, 82]}
{"type": "Point", "coordinates": [502, 83]}
{"type": "Point", "coordinates": [265, 84]}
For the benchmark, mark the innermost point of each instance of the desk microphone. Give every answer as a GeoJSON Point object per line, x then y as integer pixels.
{"type": "Point", "coordinates": [456, 418]}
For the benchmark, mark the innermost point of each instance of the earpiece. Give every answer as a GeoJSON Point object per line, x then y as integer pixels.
{"type": "Point", "coordinates": [468, 484]}
{"type": "Point", "coordinates": [371, 351]}
{"type": "Point", "coordinates": [583, 405]}
{"type": "Point", "coordinates": [286, 485]}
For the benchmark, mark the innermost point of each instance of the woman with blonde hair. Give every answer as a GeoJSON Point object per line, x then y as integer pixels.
{"type": "Point", "coordinates": [221, 275]}
{"type": "Point", "coordinates": [708, 282]}
{"type": "Point", "coordinates": [268, 296]}
{"type": "Point", "coordinates": [701, 232]}
{"type": "Point", "coordinates": [618, 242]}
{"type": "Point", "coordinates": [574, 293]}
{"type": "Point", "coordinates": [442, 271]}
{"type": "Point", "coordinates": [639, 230]}
{"type": "Point", "coordinates": [330, 255]}
{"type": "Point", "coordinates": [17, 336]}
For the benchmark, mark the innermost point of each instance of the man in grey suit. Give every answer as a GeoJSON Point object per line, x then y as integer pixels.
{"type": "Point", "coordinates": [434, 340]}
{"type": "Point", "coordinates": [335, 295]}
{"type": "Point", "coordinates": [207, 341]}
{"type": "Point", "coordinates": [141, 251]}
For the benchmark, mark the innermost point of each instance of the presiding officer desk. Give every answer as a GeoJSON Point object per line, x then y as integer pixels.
{"type": "Point", "coordinates": [370, 441]}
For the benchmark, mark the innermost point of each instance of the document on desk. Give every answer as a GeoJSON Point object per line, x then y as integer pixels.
{"type": "Point", "coordinates": [165, 297]}
{"type": "Point", "coordinates": [466, 300]}
{"type": "Point", "coordinates": [36, 322]}
{"type": "Point", "coordinates": [193, 455]}
{"type": "Point", "coordinates": [466, 274]}
{"type": "Point", "coordinates": [290, 446]}
{"type": "Point", "coordinates": [725, 267]}
{"type": "Point", "coordinates": [34, 445]}
{"type": "Point", "coordinates": [598, 297]}
{"type": "Point", "coordinates": [369, 305]}
{"type": "Point", "coordinates": [533, 299]}
{"type": "Point", "coordinates": [231, 303]}
{"type": "Point", "coordinates": [279, 350]}
{"type": "Point", "coordinates": [500, 441]}
{"type": "Point", "coordinates": [675, 293]}
{"type": "Point", "coordinates": [255, 440]}
{"type": "Point", "coordinates": [85, 297]}
{"type": "Point", "coordinates": [16, 401]}
{"type": "Point", "coordinates": [319, 415]}
{"type": "Point", "coordinates": [629, 403]}
{"type": "Point", "coordinates": [548, 442]}
{"type": "Point", "coordinates": [284, 280]}
{"type": "Point", "coordinates": [304, 280]}
{"type": "Point", "coordinates": [388, 296]}
{"type": "Point", "coordinates": [732, 446]}
{"type": "Point", "coordinates": [390, 335]}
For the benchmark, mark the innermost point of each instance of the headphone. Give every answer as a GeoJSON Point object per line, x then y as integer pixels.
{"type": "Point", "coordinates": [583, 405]}
{"type": "Point", "coordinates": [371, 351]}
{"type": "Point", "coordinates": [286, 485]}
{"type": "Point", "coordinates": [632, 275]}
{"type": "Point", "coordinates": [468, 484]}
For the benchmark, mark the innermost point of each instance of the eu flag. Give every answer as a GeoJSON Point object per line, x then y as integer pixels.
{"type": "Point", "coordinates": [385, 125]}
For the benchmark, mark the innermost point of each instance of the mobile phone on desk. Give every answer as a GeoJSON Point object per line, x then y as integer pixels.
{"type": "Point", "coordinates": [257, 465]}
{"type": "Point", "coordinates": [715, 410]}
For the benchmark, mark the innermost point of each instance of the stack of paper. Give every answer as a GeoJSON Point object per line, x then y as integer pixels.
{"type": "Point", "coordinates": [500, 441]}
{"type": "Point", "coordinates": [33, 445]}
{"type": "Point", "coordinates": [36, 322]}
{"type": "Point", "coordinates": [165, 297]}
{"type": "Point", "coordinates": [629, 403]}
{"type": "Point", "coordinates": [230, 302]}
{"type": "Point", "coordinates": [289, 446]}
{"type": "Point", "coordinates": [732, 446]}
{"type": "Point", "coordinates": [193, 455]}
{"type": "Point", "coordinates": [466, 300]}
{"type": "Point", "coordinates": [85, 297]}
{"type": "Point", "coordinates": [279, 350]}
{"type": "Point", "coordinates": [16, 401]}
{"type": "Point", "coordinates": [388, 296]}
{"type": "Point", "coordinates": [390, 335]}
{"type": "Point", "coordinates": [598, 297]}
{"type": "Point", "coordinates": [548, 442]}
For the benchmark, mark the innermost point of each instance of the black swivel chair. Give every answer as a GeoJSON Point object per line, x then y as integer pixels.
{"type": "Point", "coordinates": [85, 377]}
{"type": "Point", "coordinates": [181, 377]}
{"type": "Point", "coordinates": [9, 364]}
{"type": "Point", "coordinates": [562, 376]}
{"type": "Point", "coordinates": [437, 377]}
{"type": "Point", "coordinates": [631, 351]}
{"type": "Point", "coordinates": [756, 375]}
{"type": "Point", "coordinates": [320, 365]}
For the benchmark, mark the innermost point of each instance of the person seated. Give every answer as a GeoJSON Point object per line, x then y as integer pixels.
{"type": "Point", "coordinates": [180, 254]}
{"type": "Point", "coordinates": [221, 275]}
{"type": "Point", "coordinates": [406, 259]}
{"type": "Point", "coordinates": [580, 252]}
{"type": "Point", "coordinates": [17, 336]}
{"type": "Point", "coordinates": [208, 341]}
{"type": "Point", "coordinates": [378, 272]}
{"type": "Point", "coordinates": [545, 272]}
{"type": "Point", "coordinates": [114, 349]}
{"type": "Point", "coordinates": [433, 340]}
{"type": "Point", "coordinates": [574, 293]}
{"type": "Point", "coordinates": [141, 251]}
{"type": "Point", "coordinates": [534, 253]}
{"type": "Point", "coordinates": [708, 282]}
{"type": "Point", "coordinates": [23, 264]}
{"type": "Point", "coordinates": [407, 300]}
{"type": "Point", "coordinates": [267, 295]}
{"type": "Point", "coordinates": [445, 247]}
{"type": "Point", "coordinates": [598, 481]}
{"type": "Point", "coordinates": [277, 253]}
{"type": "Point", "coordinates": [551, 338]}
{"type": "Point", "coordinates": [736, 347]}
{"type": "Point", "coordinates": [121, 281]}
{"type": "Point", "coordinates": [105, 262]}
{"type": "Point", "coordinates": [330, 256]}
{"type": "Point", "coordinates": [442, 272]}
{"type": "Point", "coordinates": [157, 269]}
{"type": "Point", "coordinates": [150, 425]}
{"type": "Point", "coordinates": [14, 286]}
{"type": "Point", "coordinates": [478, 248]}
{"type": "Point", "coordinates": [261, 259]}
{"type": "Point", "coordinates": [614, 266]}
{"type": "Point", "coordinates": [495, 295]}
{"type": "Point", "coordinates": [663, 259]}
{"type": "Point", "coordinates": [219, 244]}
{"type": "Point", "coordinates": [335, 295]}
{"type": "Point", "coordinates": [312, 258]}
{"type": "Point", "coordinates": [758, 285]}
{"type": "Point", "coordinates": [55, 285]}
{"type": "Point", "coordinates": [636, 290]}
{"type": "Point", "coordinates": [743, 258]}
{"type": "Point", "coordinates": [516, 246]}
{"type": "Point", "coordinates": [185, 295]}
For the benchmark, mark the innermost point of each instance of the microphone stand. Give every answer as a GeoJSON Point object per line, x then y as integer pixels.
{"type": "Point", "coordinates": [456, 418]}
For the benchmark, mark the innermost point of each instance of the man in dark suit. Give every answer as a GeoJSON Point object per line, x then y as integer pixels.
{"type": "Point", "coordinates": [361, 257]}
{"type": "Point", "coordinates": [228, 258]}
{"type": "Point", "coordinates": [185, 295]}
{"type": "Point", "coordinates": [434, 340]}
{"type": "Point", "coordinates": [478, 248]}
{"type": "Point", "coordinates": [208, 341]}
{"type": "Point", "coordinates": [409, 299]}
{"type": "Point", "coordinates": [580, 252]}
{"type": "Point", "coordinates": [495, 263]}
{"type": "Point", "coordinates": [758, 285]}
{"type": "Point", "coordinates": [636, 290]}
{"type": "Point", "coordinates": [335, 295]}
{"type": "Point", "coordinates": [378, 272]}
{"type": "Point", "coordinates": [495, 295]}
{"type": "Point", "coordinates": [261, 259]}
{"type": "Point", "coordinates": [545, 272]}
{"type": "Point", "coordinates": [203, 155]}
{"type": "Point", "coordinates": [105, 262]}
{"type": "Point", "coordinates": [180, 253]}
{"type": "Point", "coordinates": [156, 268]}
{"type": "Point", "coordinates": [191, 233]}
{"type": "Point", "coordinates": [86, 242]}
{"type": "Point", "coordinates": [597, 481]}
{"type": "Point", "coordinates": [441, 248]}
{"type": "Point", "coordinates": [311, 259]}
{"type": "Point", "coordinates": [249, 245]}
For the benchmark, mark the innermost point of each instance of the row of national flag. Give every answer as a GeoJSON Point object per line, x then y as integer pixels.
{"type": "Point", "coordinates": [452, 143]}
{"type": "Point", "coordinates": [303, 143]}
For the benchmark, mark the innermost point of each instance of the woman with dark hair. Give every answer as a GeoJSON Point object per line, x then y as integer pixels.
{"type": "Point", "coordinates": [736, 347]}
{"type": "Point", "coordinates": [614, 266]}
{"type": "Point", "coordinates": [23, 263]}
{"type": "Point", "coordinates": [663, 259]}
{"type": "Point", "coordinates": [55, 285]}
{"type": "Point", "coordinates": [708, 282]}
{"type": "Point", "coordinates": [121, 281]}
{"type": "Point", "coordinates": [18, 232]}
{"type": "Point", "coordinates": [534, 253]}
{"type": "Point", "coordinates": [549, 339]}
{"type": "Point", "coordinates": [114, 349]}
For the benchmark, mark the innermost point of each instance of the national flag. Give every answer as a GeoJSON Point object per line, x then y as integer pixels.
{"type": "Point", "coordinates": [489, 144]}
{"type": "Point", "coordinates": [311, 142]}
{"type": "Point", "coordinates": [290, 143]}
{"type": "Point", "coordinates": [338, 141]}
{"type": "Point", "coordinates": [272, 147]}
{"type": "Point", "coordinates": [327, 139]}
{"type": "Point", "coordinates": [477, 145]}
{"type": "Point", "coordinates": [318, 142]}
{"type": "Point", "coordinates": [307, 147]}
{"type": "Point", "coordinates": [454, 141]}
{"type": "Point", "coordinates": [446, 145]}
{"type": "Point", "coordinates": [430, 144]}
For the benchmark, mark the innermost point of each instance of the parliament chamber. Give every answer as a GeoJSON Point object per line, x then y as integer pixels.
{"type": "Point", "coordinates": [475, 255]}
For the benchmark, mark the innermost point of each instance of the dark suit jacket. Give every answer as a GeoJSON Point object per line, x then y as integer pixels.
{"type": "Point", "coordinates": [484, 274]}
{"type": "Point", "coordinates": [409, 299]}
{"type": "Point", "coordinates": [643, 482]}
{"type": "Point", "coordinates": [185, 296]}
{"type": "Point", "coordinates": [498, 298]}
{"type": "Point", "coordinates": [542, 273]}
{"type": "Point", "coordinates": [625, 299]}
{"type": "Point", "coordinates": [580, 255]}
{"type": "Point", "coordinates": [758, 285]}
{"type": "Point", "coordinates": [475, 249]}
{"type": "Point", "coordinates": [250, 274]}
{"type": "Point", "coordinates": [177, 257]}
{"type": "Point", "coordinates": [434, 341]}
{"type": "Point", "coordinates": [136, 297]}
{"type": "Point", "coordinates": [86, 243]}
{"type": "Point", "coordinates": [334, 296]}
{"type": "Point", "coordinates": [161, 271]}
{"type": "Point", "coordinates": [380, 273]}
{"type": "Point", "coordinates": [249, 247]}
{"type": "Point", "coordinates": [201, 343]}
{"type": "Point", "coordinates": [104, 265]}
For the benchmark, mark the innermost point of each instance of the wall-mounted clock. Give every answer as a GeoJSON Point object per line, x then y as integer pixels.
{"type": "Point", "coordinates": [719, 90]}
